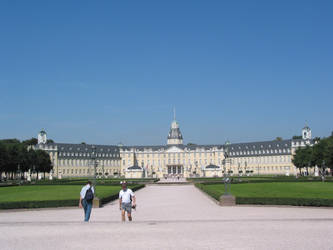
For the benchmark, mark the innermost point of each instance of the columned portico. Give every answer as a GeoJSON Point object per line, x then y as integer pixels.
{"type": "Point", "coordinates": [176, 170]}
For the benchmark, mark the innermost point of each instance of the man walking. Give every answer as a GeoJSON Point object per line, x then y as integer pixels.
{"type": "Point", "coordinates": [127, 201]}
{"type": "Point", "coordinates": [86, 199]}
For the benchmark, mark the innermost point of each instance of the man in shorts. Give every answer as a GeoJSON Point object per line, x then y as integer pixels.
{"type": "Point", "coordinates": [127, 201]}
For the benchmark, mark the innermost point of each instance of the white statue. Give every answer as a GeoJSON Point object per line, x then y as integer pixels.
{"type": "Point", "coordinates": [29, 176]}
{"type": "Point", "coordinates": [316, 172]}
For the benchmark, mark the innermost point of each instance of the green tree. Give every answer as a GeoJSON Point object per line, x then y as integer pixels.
{"type": "Point", "coordinates": [297, 137]}
{"type": "Point", "coordinates": [278, 138]}
{"type": "Point", "coordinates": [32, 141]}
{"type": "Point", "coordinates": [10, 141]}
{"type": "Point", "coordinates": [14, 158]}
{"type": "Point", "coordinates": [3, 158]}
{"type": "Point", "coordinates": [318, 154]}
{"type": "Point", "coordinates": [302, 158]}
{"type": "Point", "coordinates": [49, 141]}
{"type": "Point", "coordinates": [328, 154]}
{"type": "Point", "coordinates": [43, 162]}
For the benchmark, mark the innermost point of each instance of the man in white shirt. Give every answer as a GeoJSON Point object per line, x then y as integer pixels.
{"type": "Point", "coordinates": [86, 199]}
{"type": "Point", "coordinates": [127, 201]}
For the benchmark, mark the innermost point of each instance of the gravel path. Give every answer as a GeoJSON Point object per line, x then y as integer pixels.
{"type": "Point", "coordinates": [170, 217]}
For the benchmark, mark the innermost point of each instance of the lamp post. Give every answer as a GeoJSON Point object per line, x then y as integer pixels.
{"type": "Point", "coordinates": [34, 171]}
{"type": "Point", "coordinates": [96, 202]}
{"type": "Point", "coordinates": [103, 173]}
{"type": "Point", "coordinates": [18, 174]}
{"type": "Point", "coordinates": [226, 179]}
{"type": "Point", "coordinates": [258, 169]}
{"type": "Point", "coordinates": [94, 163]}
{"type": "Point", "coordinates": [226, 199]}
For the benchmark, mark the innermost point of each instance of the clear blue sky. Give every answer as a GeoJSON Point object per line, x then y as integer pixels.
{"type": "Point", "coordinates": [111, 71]}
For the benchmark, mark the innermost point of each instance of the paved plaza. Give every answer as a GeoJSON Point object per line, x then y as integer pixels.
{"type": "Point", "coordinates": [170, 217]}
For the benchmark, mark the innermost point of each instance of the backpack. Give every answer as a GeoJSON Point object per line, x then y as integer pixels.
{"type": "Point", "coordinates": [89, 195]}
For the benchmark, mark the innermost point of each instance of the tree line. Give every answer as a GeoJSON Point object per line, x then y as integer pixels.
{"type": "Point", "coordinates": [17, 157]}
{"type": "Point", "coordinates": [320, 155]}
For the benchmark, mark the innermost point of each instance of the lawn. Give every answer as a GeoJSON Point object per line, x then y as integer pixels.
{"type": "Point", "coordinates": [288, 193]}
{"type": "Point", "coordinates": [50, 192]}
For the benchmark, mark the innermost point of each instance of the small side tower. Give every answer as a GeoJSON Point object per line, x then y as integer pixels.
{"type": "Point", "coordinates": [42, 139]}
{"type": "Point", "coordinates": [306, 133]}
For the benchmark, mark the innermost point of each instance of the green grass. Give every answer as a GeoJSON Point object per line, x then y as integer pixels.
{"type": "Point", "coordinates": [276, 193]}
{"type": "Point", "coordinates": [50, 192]}
{"type": "Point", "coordinates": [278, 189]}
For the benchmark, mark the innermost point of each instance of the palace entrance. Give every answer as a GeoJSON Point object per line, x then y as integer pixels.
{"type": "Point", "coordinates": [176, 170]}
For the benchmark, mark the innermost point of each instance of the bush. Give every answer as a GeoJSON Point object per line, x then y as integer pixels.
{"type": "Point", "coordinates": [115, 196]}
{"type": "Point", "coordinates": [285, 201]}
{"type": "Point", "coordinates": [100, 182]}
{"type": "Point", "coordinates": [38, 204]}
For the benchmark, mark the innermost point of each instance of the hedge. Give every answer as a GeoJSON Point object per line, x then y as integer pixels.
{"type": "Point", "coordinates": [285, 201]}
{"type": "Point", "coordinates": [56, 203]}
{"type": "Point", "coordinates": [102, 182]}
{"type": "Point", "coordinates": [115, 196]}
{"type": "Point", "coordinates": [38, 204]}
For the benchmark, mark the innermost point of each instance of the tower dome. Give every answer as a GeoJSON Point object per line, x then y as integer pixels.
{"type": "Point", "coordinates": [306, 133]}
{"type": "Point", "coordinates": [175, 137]}
{"type": "Point", "coordinates": [42, 139]}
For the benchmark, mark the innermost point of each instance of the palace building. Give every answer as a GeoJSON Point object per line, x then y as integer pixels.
{"type": "Point", "coordinates": [174, 158]}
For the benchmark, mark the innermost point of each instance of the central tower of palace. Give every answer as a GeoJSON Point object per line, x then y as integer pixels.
{"type": "Point", "coordinates": [175, 136]}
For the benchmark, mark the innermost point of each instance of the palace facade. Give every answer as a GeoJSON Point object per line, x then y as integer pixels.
{"type": "Point", "coordinates": [174, 158]}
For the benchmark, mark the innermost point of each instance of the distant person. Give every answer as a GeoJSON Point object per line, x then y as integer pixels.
{"type": "Point", "coordinates": [127, 201]}
{"type": "Point", "coordinates": [86, 199]}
